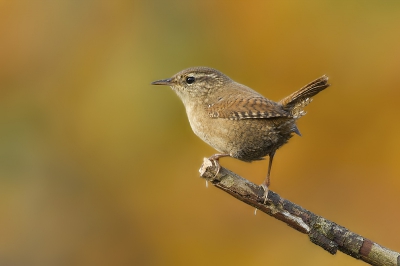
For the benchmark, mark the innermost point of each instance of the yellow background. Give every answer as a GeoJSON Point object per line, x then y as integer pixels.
{"type": "Point", "coordinates": [98, 167]}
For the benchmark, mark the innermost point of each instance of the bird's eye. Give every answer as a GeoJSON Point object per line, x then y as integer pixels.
{"type": "Point", "coordinates": [190, 80]}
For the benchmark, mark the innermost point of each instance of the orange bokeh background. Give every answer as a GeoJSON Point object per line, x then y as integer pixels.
{"type": "Point", "coordinates": [98, 167]}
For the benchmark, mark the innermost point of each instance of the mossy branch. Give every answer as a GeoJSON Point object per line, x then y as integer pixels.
{"type": "Point", "coordinates": [322, 232]}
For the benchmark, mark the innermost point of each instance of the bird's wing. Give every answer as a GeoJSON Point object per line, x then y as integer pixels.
{"type": "Point", "coordinates": [246, 108]}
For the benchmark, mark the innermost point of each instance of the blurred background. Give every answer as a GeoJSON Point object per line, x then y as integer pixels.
{"type": "Point", "coordinates": [98, 167]}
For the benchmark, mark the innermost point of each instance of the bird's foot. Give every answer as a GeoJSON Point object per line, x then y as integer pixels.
{"type": "Point", "coordinates": [215, 159]}
{"type": "Point", "coordinates": [266, 190]}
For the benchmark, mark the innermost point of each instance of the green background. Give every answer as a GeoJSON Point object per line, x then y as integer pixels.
{"type": "Point", "coordinates": [98, 167]}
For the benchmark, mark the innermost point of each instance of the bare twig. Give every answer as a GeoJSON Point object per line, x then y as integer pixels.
{"type": "Point", "coordinates": [322, 232]}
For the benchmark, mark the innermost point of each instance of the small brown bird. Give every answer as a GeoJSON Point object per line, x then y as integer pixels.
{"type": "Point", "coordinates": [236, 120]}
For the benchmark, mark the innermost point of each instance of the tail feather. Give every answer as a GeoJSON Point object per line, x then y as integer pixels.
{"type": "Point", "coordinates": [295, 102]}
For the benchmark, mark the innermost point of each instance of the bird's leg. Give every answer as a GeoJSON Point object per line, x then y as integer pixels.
{"type": "Point", "coordinates": [266, 182]}
{"type": "Point", "coordinates": [215, 159]}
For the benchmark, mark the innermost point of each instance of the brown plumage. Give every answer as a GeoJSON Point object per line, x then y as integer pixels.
{"type": "Point", "coordinates": [236, 120]}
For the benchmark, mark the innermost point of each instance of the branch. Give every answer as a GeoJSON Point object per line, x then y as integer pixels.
{"type": "Point", "coordinates": [322, 232]}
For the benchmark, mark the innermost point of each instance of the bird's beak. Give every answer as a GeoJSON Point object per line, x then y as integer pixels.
{"type": "Point", "coordinates": [163, 82]}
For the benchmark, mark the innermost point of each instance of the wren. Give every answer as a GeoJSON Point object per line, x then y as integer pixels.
{"type": "Point", "coordinates": [236, 120]}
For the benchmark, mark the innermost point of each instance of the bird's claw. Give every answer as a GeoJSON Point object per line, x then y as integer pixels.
{"type": "Point", "coordinates": [266, 190]}
{"type": "Point", "coordinates": [215, 160]}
